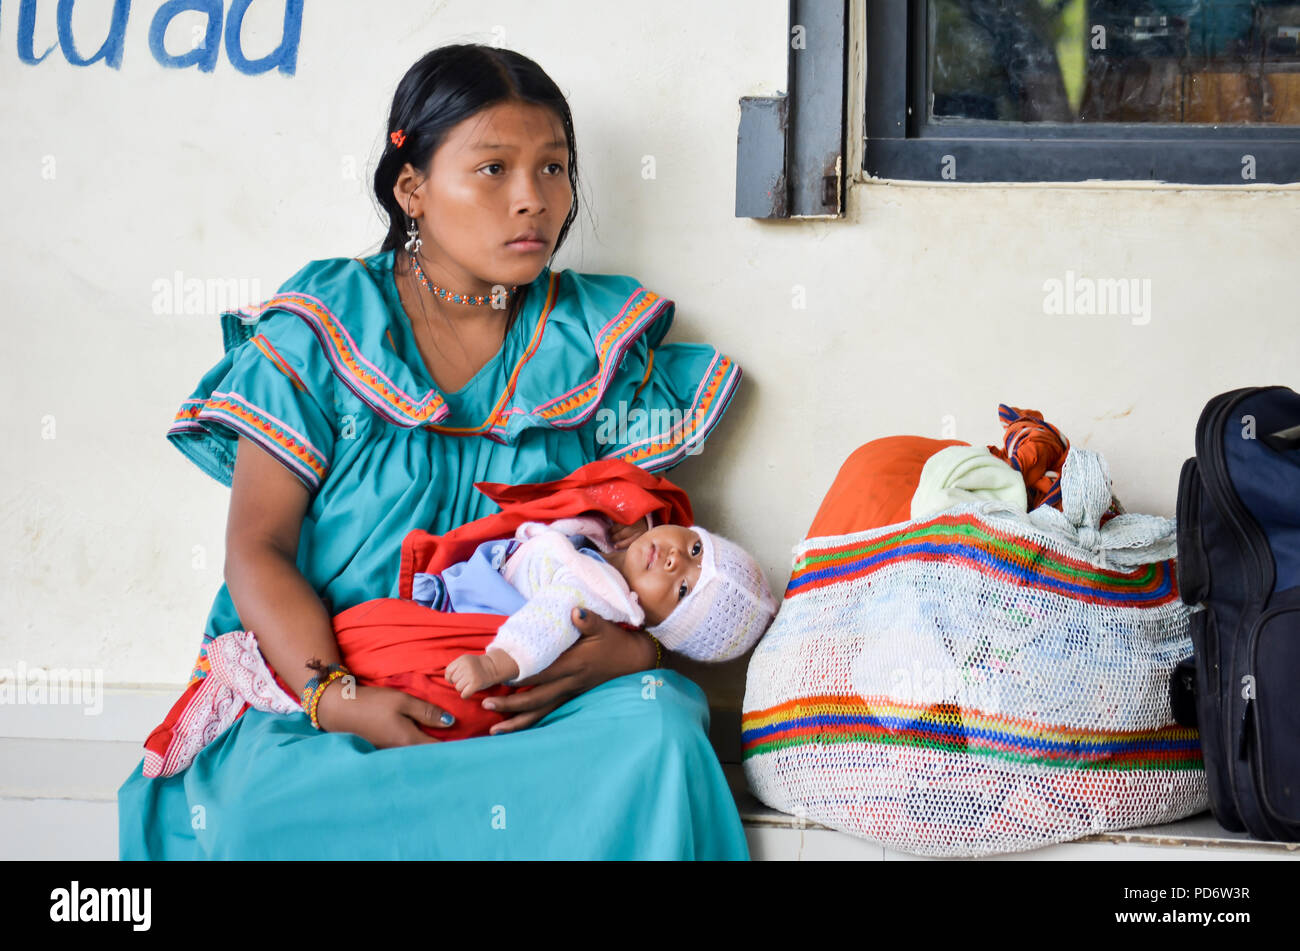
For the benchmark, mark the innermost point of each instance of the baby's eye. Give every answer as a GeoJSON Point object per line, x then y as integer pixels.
{"type": "Point", "coordinates": [697, 548]}
{"type": "Point", "coordinates": [681, 592]}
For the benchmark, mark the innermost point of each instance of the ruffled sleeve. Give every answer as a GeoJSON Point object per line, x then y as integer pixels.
{"type": "Point", "coordinates": [664, 404]}
{"type": "Point", "coordinates": [272, 386]}
{"type": "Point", "coordinates": [657, 402]}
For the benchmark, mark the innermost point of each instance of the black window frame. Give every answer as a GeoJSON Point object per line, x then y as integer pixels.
{"type": "Point", "coordinates": [902, 142]}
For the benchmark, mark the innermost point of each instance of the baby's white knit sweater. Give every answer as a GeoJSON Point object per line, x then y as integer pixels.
{"type": "Point", "coordinates": [555, 578]}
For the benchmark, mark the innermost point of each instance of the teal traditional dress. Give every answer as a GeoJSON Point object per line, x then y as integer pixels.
{"type": "Point", "coordinates": [327, 378]}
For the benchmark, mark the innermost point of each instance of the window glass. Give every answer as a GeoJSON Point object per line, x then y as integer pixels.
{"type": "Point", "coordinates": [1223, 62]}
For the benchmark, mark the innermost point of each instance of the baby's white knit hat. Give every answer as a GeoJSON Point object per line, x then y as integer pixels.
{"type": "Point", "coordinates": [727, 611]}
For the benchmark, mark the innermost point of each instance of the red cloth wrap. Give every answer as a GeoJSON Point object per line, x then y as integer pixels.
{"type": "Point", "coordinates": [394, 642]}
{"type": "Point", "coordinates": [610, 486]}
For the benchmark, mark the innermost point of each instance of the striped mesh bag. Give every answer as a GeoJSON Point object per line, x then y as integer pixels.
{"type": "Point", "coordinates": [978, 681]}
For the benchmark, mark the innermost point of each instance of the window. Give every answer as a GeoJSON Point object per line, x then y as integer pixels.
{"type": "Point", "coordinates": [1194, 91]}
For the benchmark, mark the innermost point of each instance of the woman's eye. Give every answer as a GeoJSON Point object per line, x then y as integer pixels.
{"type": "Point", "coordinates": [558, 166]}
{"type": "Point", "coordinates": [681, 592]}
{"type": "Point", "coordinates": [493, 165]}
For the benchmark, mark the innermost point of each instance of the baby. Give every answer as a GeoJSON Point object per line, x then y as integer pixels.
{"type": "Point", "coordinates": [698, 593]}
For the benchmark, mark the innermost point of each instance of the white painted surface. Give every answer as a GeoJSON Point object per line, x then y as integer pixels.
{"type": "Point", "coordinates": [924, 306]}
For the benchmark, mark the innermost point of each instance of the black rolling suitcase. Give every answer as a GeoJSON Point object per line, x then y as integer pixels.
{"type": "Point", "coordinates": [1239, 556]}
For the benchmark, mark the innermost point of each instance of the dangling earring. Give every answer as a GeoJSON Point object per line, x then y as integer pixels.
{"type": "Point", "coordinates": [413, 236]}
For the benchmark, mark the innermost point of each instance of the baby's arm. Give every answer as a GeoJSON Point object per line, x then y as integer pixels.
{"type": "Point", "coordinates": [555, 578]}
{"type": "Point", "coordinates": [542, 630]}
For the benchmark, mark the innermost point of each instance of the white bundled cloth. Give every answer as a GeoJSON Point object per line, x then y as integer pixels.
{"type": "Point", "coordinates": [978, 681]}
{"type": "Point", "coordinates": [958, 474]}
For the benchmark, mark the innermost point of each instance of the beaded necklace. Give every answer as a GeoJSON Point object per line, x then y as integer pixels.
{"type": "Point", "coordinates": [448, 296]}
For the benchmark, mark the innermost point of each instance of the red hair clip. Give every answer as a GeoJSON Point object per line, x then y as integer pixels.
{"type": "Point", "coordinates": [398, 138]}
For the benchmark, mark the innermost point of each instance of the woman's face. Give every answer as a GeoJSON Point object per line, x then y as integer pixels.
{"type": "Point", "coordinates": [499, 174]}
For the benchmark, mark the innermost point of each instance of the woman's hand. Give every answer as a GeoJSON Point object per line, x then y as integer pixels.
{"type": "Point", "coordinates": [383, 716]}
{"type": "Point", "coordinates": [603, 652]}
{"type": "Point", "coordinates": [621, 536]}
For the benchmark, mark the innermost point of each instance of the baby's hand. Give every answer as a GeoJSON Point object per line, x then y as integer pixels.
{"type": "Point", "coordinates": [470, 673]}
{"type": "Point", "coordinates": [621, 536]}
{"type": "Point", "coordinates": [461, 674]}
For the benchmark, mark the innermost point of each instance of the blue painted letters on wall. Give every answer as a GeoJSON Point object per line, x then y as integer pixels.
{"type": "Point", "coordinates": [205, 55]}
{"type": "Point", "coordinates": [284, 57]}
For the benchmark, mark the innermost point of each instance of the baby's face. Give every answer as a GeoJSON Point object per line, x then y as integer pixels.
{"type": "Point", "coordinates": [662, 567]}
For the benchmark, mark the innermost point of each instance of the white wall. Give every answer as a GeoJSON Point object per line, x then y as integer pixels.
{"type": "Point", "coordinates": [924, 303]}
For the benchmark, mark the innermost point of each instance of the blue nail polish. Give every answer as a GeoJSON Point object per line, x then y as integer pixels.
{"type": "Point", "coordinates": [582, 614]}
{"type": "Point", "coordinates": [448, 719]}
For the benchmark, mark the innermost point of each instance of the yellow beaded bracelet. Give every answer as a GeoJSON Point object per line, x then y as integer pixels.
{"type": "Point", "coordinates": [323, 670]}
{"type": "Point", "coordinates": [315, 700]}
{"type": "Point", "coordinates": [316, 688]}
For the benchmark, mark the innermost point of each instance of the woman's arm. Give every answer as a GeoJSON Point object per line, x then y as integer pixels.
{"type": "Point", "coordinates": [276, 603]}
{"type": "Point", "coordinates": [273, 599]}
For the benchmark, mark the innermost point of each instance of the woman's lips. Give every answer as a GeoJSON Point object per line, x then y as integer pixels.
{"type": "Point", "coordinates": [527, 247]}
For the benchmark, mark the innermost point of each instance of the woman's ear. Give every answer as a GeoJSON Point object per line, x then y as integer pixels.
{"type": "Point", "coordinates": [408, 192]}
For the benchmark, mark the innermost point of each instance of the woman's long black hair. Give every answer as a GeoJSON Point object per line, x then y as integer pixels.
{"type": "Point", "coordinates": [444, 87]}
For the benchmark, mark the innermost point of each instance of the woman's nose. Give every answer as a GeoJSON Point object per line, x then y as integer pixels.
{"type": "Point", "coordinates": [530, 197]}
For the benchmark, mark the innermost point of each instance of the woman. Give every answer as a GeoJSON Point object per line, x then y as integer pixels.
{"type": "Point", "coordinates": [363, 401]}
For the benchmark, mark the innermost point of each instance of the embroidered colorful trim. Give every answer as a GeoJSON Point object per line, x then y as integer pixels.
{"type": "Point", "coordinates": [663, 450]}
{"type": "Point", "coordinates": [1009, 557]}
{"type": "Point", "coordinates": [612, 341]}
{"type": "Point", "coordinates": [568, 410]}
{"type": "Point", "coordinates": [834, 718]}
{"type": "Point", "coordinates": [372, 386]}
{"type": "Point", "coordinates": [361, 376]}
{"type": "Point", "coordinates": [202, 666]}
{"type": "Point", "coordinates": [242, 416]}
